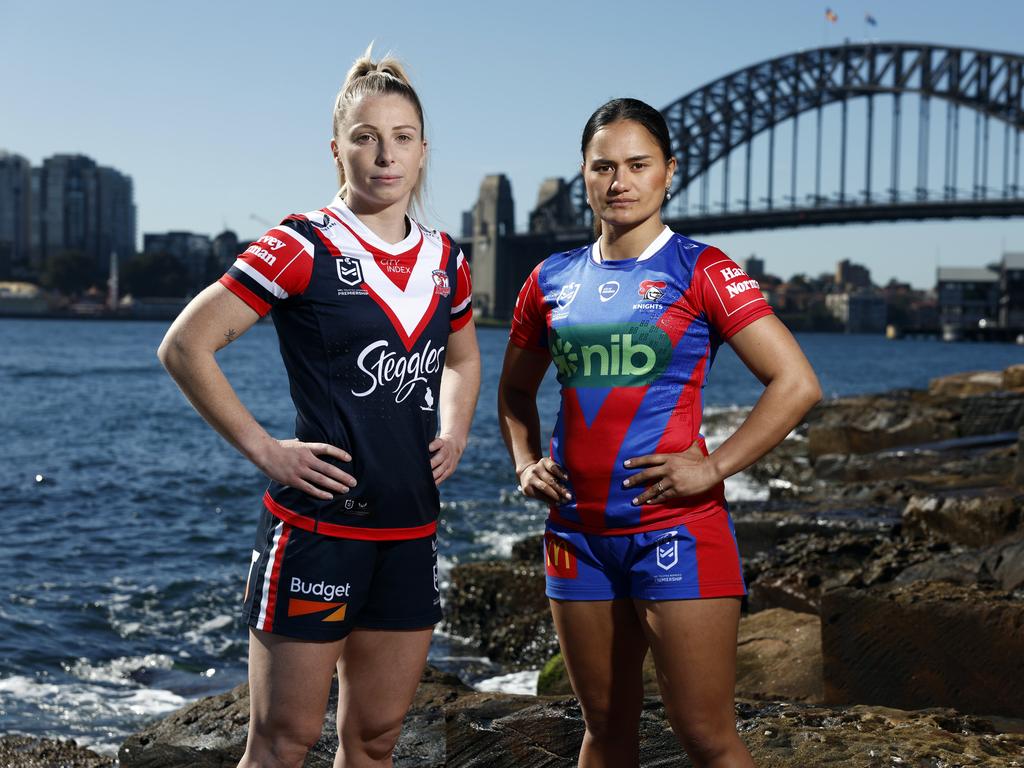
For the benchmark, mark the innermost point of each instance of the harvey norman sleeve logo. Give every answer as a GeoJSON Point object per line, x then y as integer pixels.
{"type": "Point", "coordinates": [729, 284]}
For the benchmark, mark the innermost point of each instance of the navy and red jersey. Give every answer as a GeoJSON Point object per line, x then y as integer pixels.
{"type": "Point", "coordinates": [632, 342]}
{"type": "Point", "coordinates": [362, 326]}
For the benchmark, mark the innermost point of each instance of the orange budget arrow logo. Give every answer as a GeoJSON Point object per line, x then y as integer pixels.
{"type": "Point", "coordinates": [298, 607]}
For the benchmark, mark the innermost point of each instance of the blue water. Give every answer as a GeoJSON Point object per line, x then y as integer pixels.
{"type": "Point", "coordinates": [131, 522]}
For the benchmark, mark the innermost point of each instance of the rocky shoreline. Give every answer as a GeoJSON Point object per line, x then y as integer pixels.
{"type": "Point", "coordinates": [884, 624]}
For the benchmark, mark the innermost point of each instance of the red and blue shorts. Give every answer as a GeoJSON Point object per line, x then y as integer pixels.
{"type": "Point", "coordinates": [314, 587]}
{"type": "Point", "coordinates": [697, 559]}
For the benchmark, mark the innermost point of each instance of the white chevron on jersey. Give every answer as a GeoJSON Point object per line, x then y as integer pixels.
{"type": "Point", "coordinates": [424, 248]}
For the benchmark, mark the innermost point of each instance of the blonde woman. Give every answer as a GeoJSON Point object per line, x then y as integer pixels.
{"type": "Point", "coordinates": [373, 314]}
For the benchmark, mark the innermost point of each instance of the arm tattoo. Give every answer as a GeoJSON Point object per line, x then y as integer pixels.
{"type": "Point", "coordinates": [231, 335]}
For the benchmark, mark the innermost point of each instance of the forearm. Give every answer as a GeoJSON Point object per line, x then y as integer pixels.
{"type": "Point", "coordinates": [784, 402]}
{"type": "Point", "coordinates": [520, 426]}
{"type": "Point", "coordinates": [201, 381]}
{"type": "Point", "coordinates": [460, 387]}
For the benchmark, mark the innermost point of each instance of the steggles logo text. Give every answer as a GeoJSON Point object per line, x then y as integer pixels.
{"type": "Point", "coordinates": [385, 368]}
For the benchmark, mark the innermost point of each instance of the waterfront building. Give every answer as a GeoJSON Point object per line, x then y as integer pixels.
{"type": "Point", "coordinates": [79, 206]}
{"type": "Point", "coordinates": [194, 251]}
{"type": "Point", "coordinates": [754, 267]}
{"type": "Point", "coordinates": [15, 198]}
{"type": "Point", "coordinates": [967, 296]}
{"type": "Point", "coordinates": [850, 275]}
{"type": "Point", "coordinates": [225, 249]}
{"type": "Point", "coordinates": [1011, 291]}
{"type": "Point", "coordinates": [859, 311]}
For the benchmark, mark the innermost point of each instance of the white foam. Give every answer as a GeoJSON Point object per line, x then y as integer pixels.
{"type": "Point", "coordinates": [514, 682]}
{"type": "Point", "coordinates": [217, 622]}
{"type": "Point", "coordinates": [153, 701]}
{"type": "Point", "coordinates": [118, 670]}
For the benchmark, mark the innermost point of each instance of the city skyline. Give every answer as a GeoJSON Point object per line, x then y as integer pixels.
{"type": "Point", "coordinates": [224, 123]}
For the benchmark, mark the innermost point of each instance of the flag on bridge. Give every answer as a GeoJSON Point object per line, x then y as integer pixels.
{"type": "Point", "coordinates": [869, 19]}
{"type": "Point", "coordinates": [831, 15]}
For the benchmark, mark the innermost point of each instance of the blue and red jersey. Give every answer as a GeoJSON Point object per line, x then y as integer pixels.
{"type": "Point", "coordinates": [632, 342]}
{"type": "Point", "coordinates": [363, 326]}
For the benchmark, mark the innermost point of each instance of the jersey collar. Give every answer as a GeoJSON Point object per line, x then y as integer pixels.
{"type": "Point", "coordinates": [656, 245]}
{"type": "Point", "coordinates": [341, 209]}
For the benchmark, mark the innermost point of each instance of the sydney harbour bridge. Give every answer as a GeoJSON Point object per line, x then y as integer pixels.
{"type": "Point", "coordinates": [857, 133]}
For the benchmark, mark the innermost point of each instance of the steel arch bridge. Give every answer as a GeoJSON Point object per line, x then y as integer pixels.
{"type": "Point", "coordinates": [715, 128]}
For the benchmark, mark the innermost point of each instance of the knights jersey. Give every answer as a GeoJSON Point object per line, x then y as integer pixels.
{"type": "Point", "coordinates": [632, 342]}
{"type": "Point", "coordinates": [362, 326]}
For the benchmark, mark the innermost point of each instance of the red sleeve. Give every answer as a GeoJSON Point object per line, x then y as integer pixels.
{"type": "Point", "coordinates": [728, 297]}
{"type": "Point", "coordinates": [462, 302]}
{"type": "Point", "coordinates": [529, 318]}
{"type": "Point", "coordinates": [273, 268]}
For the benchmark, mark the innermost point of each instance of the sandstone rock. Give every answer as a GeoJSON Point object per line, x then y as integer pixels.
{"type": "Point", "coordinates": [924, 645]}
{"type": "Point", "coordinates": [211, 732]}
{"type": "Point", "coordinates": [967, 383]}
{"type": "Point", "coordinates": [502, 608]}
{"type": "Point", "coordinates": [794, 575]}
{"type": "Point", "coordinates": [547, 734]}
{"type": "Point", "coordinates": [972, 517]}
{"type": "Point", "coordinates": [778, 656]}
{"type": "Point", "coordinates": [1018, 472]}
{"type": "Point", "coordinates": [1013, 377]}
{"type": "Point", "coordinates": [31, 752]}
{"type": "Point", "coordinates": [991, 414]}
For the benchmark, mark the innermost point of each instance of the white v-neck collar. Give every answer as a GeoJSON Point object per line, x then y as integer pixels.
{"type": "Point", "coordinates": [341, 209]}
{"type": "Point", "coordinates": [656, 245]}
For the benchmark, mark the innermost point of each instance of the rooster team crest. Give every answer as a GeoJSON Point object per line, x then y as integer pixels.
{"type": "Point", "coordinates": [441, 286]}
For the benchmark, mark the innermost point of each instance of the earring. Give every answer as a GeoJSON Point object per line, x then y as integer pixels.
{"type": "Point", "coordinates": [668, 195]}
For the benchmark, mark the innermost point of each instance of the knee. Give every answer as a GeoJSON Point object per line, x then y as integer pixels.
{"type": "Point", "coordinates": [706, 741]}
{"type": "Point", "coordinates": [375, 740]}
{"type": "Point", "coordinates": [610, 719]}
{"type": "Point", "coordinates": [283, 742]}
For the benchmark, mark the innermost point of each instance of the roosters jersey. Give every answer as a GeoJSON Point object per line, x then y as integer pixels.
{"type": "Point", "coordinates": [632, 342]}
{"type": "Point", "coordinates": [362, 326]}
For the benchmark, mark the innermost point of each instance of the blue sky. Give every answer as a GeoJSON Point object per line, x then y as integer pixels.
{"type": "Point", "coordinates": [220, 111]}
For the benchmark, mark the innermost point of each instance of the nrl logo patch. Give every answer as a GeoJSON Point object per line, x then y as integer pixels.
{"type": "Point", "coordinates": [350, 271]}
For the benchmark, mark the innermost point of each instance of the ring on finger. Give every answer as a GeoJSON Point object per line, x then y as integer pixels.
{"type": "Point", "coordinates": [661, 486]}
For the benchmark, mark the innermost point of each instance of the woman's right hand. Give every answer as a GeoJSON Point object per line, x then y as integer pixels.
{"type": "Point", "coordinates": [544, 480]}
{"type": "Point", "coordinates": [297, 464]}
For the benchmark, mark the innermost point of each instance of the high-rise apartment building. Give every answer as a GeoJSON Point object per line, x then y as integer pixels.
{"type": "Point", "coordinates": [79, 206]}
{"type": "Point", "coordinates": [15, 199]}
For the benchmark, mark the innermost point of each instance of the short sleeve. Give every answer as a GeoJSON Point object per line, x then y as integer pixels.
{"type": "Point", "coordinates": [529, 319]}
{"type": "Point", "coordinates": [273, 268]}
{"type": "Point", "coordinates": [730, 299]}
{"type": "Point", "coordinates": [462, 302]}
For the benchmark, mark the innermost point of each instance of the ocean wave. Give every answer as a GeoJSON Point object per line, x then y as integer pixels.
{"type": "Point", "coordinates": [514, 682]}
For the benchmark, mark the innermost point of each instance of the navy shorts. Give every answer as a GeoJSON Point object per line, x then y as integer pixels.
{"type": "Point", "coordinates": [315, 587]}
{"type": "Point", "coordinates": [692, 560]}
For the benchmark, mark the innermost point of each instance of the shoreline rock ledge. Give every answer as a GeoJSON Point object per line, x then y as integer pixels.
{"type": "Point", "coordinates": [453, 726]}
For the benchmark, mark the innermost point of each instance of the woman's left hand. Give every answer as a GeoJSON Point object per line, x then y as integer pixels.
{"type": "Point", "coordinates": [446, 451]}
{"type": "Point", "coordinates": [671, 475]}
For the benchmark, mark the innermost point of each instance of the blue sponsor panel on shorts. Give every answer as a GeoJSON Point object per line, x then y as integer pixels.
{"type": "Point", "coordinates": [690, 561]}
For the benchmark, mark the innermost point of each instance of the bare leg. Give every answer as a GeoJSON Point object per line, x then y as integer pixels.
{"type": "Point", "coordinates": [289, 681]}
{"type": "Point", "coordinates": [694, 648]}
{"type": "Point", "coordinates": [603, 646]}
{"type": "Point", "coordinates": [378, 673]}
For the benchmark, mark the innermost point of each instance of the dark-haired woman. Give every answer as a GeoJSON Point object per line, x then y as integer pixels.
{"type": "Point", "coordinates": [373, 315]}
{"type": "Point", "coordinates": [639, 547]}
